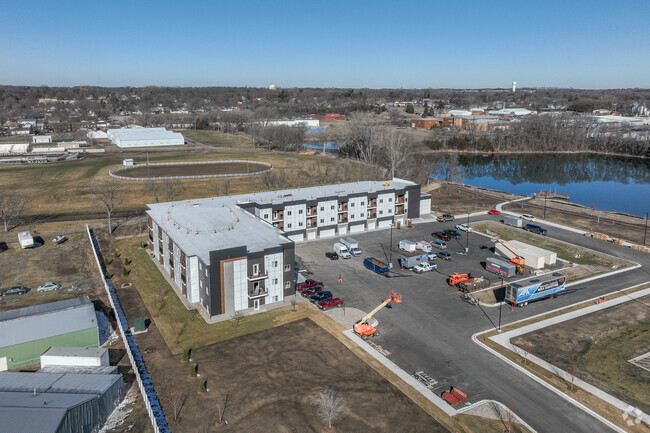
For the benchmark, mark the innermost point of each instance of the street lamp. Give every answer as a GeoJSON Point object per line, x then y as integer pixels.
{"type": "Point", "coordinates": [467, 236]}
{"type": "Point", "coordinates": [645, 230]}
{"type": "Point", "coordinates": [500, 304]}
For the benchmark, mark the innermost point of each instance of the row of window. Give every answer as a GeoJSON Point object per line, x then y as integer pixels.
{"type": "Point", "coordinates": [333, 207]}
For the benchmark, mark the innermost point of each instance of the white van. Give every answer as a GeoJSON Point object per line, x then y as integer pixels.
{"type": "Point", "coordinates": [528, 217]}
{"type": "Point", "coordinates": [342, 251]}
{"type": "Point", "coordinates": [407, 246]}
{"type": "Point", "coordinates": [424, 246]}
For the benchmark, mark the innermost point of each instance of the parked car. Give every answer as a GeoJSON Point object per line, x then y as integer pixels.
{"type": "Point", "coordinates": [59, 239]}
{"type": "Point", "coordinates": [453, 233]}
{"type": "Point", "coordinates": [494, 212]}
{"type": "Point", "coordinates": [444, 255]}
{"type": "Point", "coordinates": [431, 257]}
{"type": "Point", "coordinates": [307, 284]}
{"type": "Point", "coordinates": [332, 255]}
{"type": "Point", "coordinates": [439, 243]}
{"type": "Point", "coordinates": [319, 296]}
{"type": "Point", "coordinates": [534, 228]}
{"type": "Point", "coordinates": [329, 303]}
{"type": "Point", "coordinates": [464, 227]}
{"type": "Point", "coordinates": [46, 287]}
{"type": "Point", "coordinates": [311, 291]}
{"type": "Point", "coordinates": [528, 217]}
{"type": "Point", "coordinates": [441, 235]}
{"type": "Point", "coordinates": [424, 267]}
{"type": "Point", "coordinates": [445, 217]}
{"type": "Point", "coordinates": [15, 290]}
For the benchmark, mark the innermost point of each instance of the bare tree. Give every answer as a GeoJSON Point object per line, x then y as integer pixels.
{"type": "Point", "coordinates": [106, 193]}
{"type": "Point", "coordinates": [357, 137]}
{"type": "Point", "coordinates": [395, 149]}
{"type": "Point", "coordinates": [171, 189]}
{"type": "Point", "coordinates": [222, 407]}
{"type": "Point", "coordinates": [330, 406]}
{"type": "Point", "coordinates": [294, 302]}
{"type": "Point", "coordinates": [177, 399]}
{"type": "Point", "coordinates": [225, 185]}
{"type": "Point", "coordinates": [12, 206]}
{"type": "Point", "coordinates": [152, 187]}
{"type": "Point", "coordinates": [573, 370]}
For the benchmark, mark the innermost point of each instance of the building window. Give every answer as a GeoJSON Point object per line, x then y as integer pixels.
{"type": "Point", "coordinates": [299, 223]}
{"type": "Point", "coordinates": [299, 211]}
{"type": "Point", "coordinates": [390, 211]}
{"type": "Point", "coordinates": [289, 225]}
{"type": "Point", "coordinates": [276, 298]}
{"type": "Point", "coordinates": [322, 220]}
{"type": "Point", "coordinates": [390, 199]}
{"type": "Point", "coordinates": [332, 219]}
{"type": "Point", "coordinates": [381, 212]}
{"type": "Point", "coordinates": [363, 215]}
{"type": "Point", "coordinates": [256, 269]}
{"type": "Point", "coordinates": [351, 216]}
{"type": "Point", "coordinates": [363, 203]}
{"type": "Point", "coordinates": [332, 207]}
{"type": "Point", "coordinates": [287, 284]}
{"type": "Point", "coordinates": [287, 268]}
{"type": "Point", "coordinates": [352, 204]}
{"type": "Point", "coordinates": [381, 200]}
{"type": "Point", "coordinates": [288, 212]}
{"type": "Point", "coordinates": [266, 216]}
{"type": "Point", "coordinates": [275, 281]}
{"type": "Point", "coordinates": [322, 208]}
{"type": "Point", "coordinates": [206, 272]}
{"type": "Point", "coordinates": [275, 263]}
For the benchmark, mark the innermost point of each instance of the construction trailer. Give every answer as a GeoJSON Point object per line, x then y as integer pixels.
{"type": "Point", "coordinates": [535, 257]}
{"type": "Point", "coordinates": [409, 259]}
{"type": "Point", "coordinates": [500, 267]}
{"type": "Point", "coordinates": [519, 293]}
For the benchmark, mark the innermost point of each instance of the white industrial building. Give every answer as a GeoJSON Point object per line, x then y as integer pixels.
{"type": "Point", "coordinates": [511, 112]}
{"type": "Point", "coordinates": [145, 137]}
{"type": "Point", "coordinates": [306, 123]}
{"type": "Point", "coordinates": [41, 139]}
{"type": "Point", "coordinates": [535, 257]}
{"type": "Point", "coordinates": [233, 253]}
{"type": "Point", "coordinates": [75, 357]}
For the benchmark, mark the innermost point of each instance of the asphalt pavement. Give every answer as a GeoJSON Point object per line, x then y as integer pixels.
{"type": "Point", "coordinates": [431, 329]}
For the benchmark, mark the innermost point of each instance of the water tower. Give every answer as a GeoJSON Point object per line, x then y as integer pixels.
{"type": "Point", "coordinates": [514, 86]}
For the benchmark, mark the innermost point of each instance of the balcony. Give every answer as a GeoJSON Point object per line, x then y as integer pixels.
{"type": "Point", "coordinates": [400, 199]}
{"type": "Point", "coordinates": [278, 216]}
{"type": "Point", "coordinates": [257, 293]}
{"type": "Point", "coordinates": [343, 207]}
{"type": "Point", "coordinates": [257, 277]}
{"type": "Point", "coordinates": [399, 210]}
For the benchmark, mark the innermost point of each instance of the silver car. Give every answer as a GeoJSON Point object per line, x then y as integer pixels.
{"type": "Point", "coordinates": [49, 286]}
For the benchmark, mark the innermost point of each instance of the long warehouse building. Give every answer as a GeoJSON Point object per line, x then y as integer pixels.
{"type": "Point", "coordinates": [235, 254]}
{"type": "Point", "coordinates": [145, 137]}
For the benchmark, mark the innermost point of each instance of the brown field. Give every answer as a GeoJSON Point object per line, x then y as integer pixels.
{"type": "Point", "coordinates": [143, 171]}
{"type": "Point", "coordinates": [596, 348]}
{"type": "Point", "coordinates": [456, 199]}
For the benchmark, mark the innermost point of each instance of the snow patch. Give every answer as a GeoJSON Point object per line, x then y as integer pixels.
{"type": "Point", "coordinates": [107, 334]}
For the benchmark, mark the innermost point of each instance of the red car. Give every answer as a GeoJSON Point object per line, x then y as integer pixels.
{"type": "Point", "coordinates": [441, 235]}
{"type": "Point", "coordinates": [307, 284]}
{"type": "Point", "coordinates": [329, 303]}
{"type": "Point", "coordinates": [494, 212]}
{"type": "Point", "coordinates": [311, 291]}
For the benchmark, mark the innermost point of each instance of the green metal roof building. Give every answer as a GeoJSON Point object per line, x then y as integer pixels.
{"type": "Point", "coordinates": [26, 333]}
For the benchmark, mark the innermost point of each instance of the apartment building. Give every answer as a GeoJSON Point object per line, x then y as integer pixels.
{"type": "Point", "coordinates": [236, 253]}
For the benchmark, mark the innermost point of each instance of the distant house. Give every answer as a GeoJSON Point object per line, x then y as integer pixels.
{"type": "Point", "coordinates": [26, 333]}
{"type": "Point", "coordinates": [426, 122]}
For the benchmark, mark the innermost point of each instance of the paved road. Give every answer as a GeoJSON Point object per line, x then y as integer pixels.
{"type": "Point", "coordinates": [431, 330]}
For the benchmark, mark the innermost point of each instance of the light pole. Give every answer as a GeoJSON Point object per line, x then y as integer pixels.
{"type": "Point", "coordinates": [467, 236]}
{"type": "Point", "coordinates": [645, 230]}
{"type": "Point", "coordinates": [545, 197]}
{"type": "Point", "coordinates": [390, 248]}
{"type": "Point", "coordinates": [500, 304]}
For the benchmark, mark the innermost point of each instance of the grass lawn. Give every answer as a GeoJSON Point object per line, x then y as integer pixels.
{"type": "Point", "coordinates": [174, 321]}
{"type": "Point", "coordinates": [216, 138]}
{"type": "Point", "coordinates": [606, 360]}
{"type": "Point", "coordinates": [565, 251]}
{"type": "Point", "coordinates": [66, 187]}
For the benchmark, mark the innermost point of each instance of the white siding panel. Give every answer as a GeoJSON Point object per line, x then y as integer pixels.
{"type": "Point", "coordinates": [385, 223]}
{"type": "Point", "coordinates": [192, 276]}
{"type": "Point", "coordinates": [296, 238]}
{"type": "Point", "coordinates": [240, 284]}
{"type": "Point", "coordinates": [356, 228]}
{"type": "Point", "coordinates": [274, 273]}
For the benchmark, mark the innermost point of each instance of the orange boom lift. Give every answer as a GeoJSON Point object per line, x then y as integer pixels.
{"type": "Point", "coordinates": [362, 328]}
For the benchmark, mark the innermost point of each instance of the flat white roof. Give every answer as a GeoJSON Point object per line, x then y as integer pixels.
{"type": "Point", "coordinates": [76, 351]}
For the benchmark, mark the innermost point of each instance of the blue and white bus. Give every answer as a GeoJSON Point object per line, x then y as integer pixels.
{"type": "Point", "coordinates": [521, 292]}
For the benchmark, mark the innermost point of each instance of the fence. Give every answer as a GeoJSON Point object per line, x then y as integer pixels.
{"type": "Point", "coordinates": [145, 383]}
{"type": "Point", "coordinates": [201, 176]}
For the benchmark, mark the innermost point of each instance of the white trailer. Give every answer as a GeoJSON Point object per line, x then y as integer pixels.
{"type": "Point", "coordinates": [513, 221]}
{"type": "Point", "coordinates": [407, 246]}
{"type": "Point", "coordinates": [424, 246]}
{"type": "Point", "coordinates": [26, 240]}
{"type": "Point", "coordinates": [75, 356]}
{"type": "Point", "coordinates": [352, 246]}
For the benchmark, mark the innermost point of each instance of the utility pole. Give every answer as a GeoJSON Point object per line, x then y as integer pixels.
{"type": "Point", "coordinates": [390, 249]}
{"type": "Point", "coordinates": [467, 236]}
{"type": "Point", "coordinates": [645, 230]}
{"type": "Point", "coordinates": [545, 197]}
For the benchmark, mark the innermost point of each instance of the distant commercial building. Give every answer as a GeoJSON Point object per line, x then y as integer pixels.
{"type": "Point", "coordinates": [236, 253]}
{"type": "Point", "coordinates": [511, 112]}
{"type": "Point", "coordinates": [75, 357]}
{"type": "Point", "coordinates": [57, 403]}
{"type": "Point", "coordinates": [426, 122]}
{"type": "Point", "coordinates": [26, 333]}
{"type": "Point", "coordinates": [306, 123]}
{"type": "Point", "coordinates": [145, 137]}
{"type": "Point", "coordinates": [41, 139]}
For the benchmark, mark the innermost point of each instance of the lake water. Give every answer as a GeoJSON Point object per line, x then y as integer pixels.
{"type": "Point", "coordinates": [319, 146]}
{"type": "Point", "coordinates": [609, 183]}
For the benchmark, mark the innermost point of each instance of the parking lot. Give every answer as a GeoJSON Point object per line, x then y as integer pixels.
{"type": "Point", "coordinates": [432, 328]}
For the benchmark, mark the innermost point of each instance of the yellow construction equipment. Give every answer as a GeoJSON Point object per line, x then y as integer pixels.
{"type": "Point", "coordinates": [365, 330]}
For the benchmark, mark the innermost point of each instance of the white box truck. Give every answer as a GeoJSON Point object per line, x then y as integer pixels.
{"type": "Point", "coordinates": [424, 246]}
{"type": "Point", "coordinates": [26, 240]}
{"type": "Point", "coordinates": [407, 246]}
{"type": "Point", "coordinates": [513, 221]}
{"type": "Point", "coordinates": [342, 250]}
{"type": "Point", "coordinates": [351, 245]}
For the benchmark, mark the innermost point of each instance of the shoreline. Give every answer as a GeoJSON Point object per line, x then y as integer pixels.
{"type": "Point", "coordinates": [532, 152]}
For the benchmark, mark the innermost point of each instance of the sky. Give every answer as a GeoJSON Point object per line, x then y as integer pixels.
{"type": "Point", "coordinates": [350, 44]}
